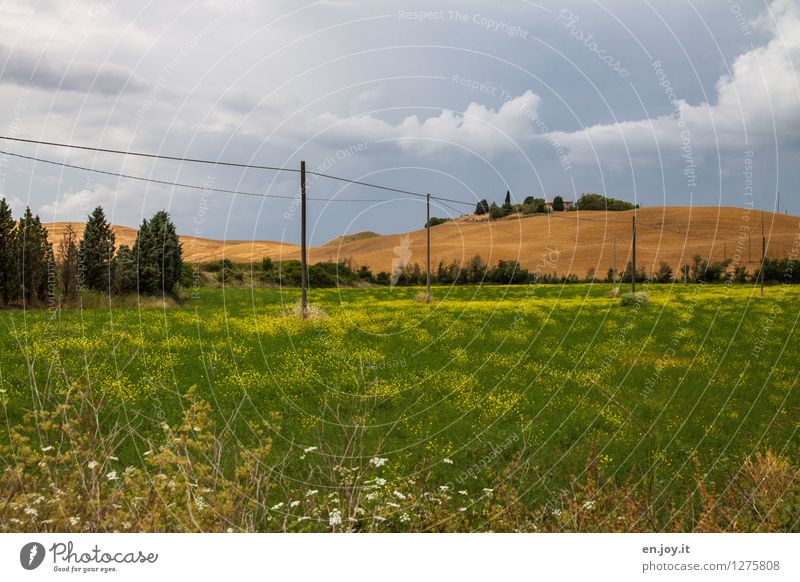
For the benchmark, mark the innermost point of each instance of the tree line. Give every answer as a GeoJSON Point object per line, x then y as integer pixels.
{"type": "Point", "coordinates": [36, 273]}
{"type": "Point", "coordinates": [328, 274]}
{"type": "Point", "coordinates": [532, 205]}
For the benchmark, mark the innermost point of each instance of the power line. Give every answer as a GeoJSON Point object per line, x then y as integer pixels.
{"type": "Point", "coordinates": [228, 164]}
{"type": "Point", "coordinates": [180, 184]}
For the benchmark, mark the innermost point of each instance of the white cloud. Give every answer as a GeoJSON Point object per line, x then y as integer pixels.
{"type": "Point", "coordinates": [761, 95]}
{"type": "Point", "coordinates": [478, 128]}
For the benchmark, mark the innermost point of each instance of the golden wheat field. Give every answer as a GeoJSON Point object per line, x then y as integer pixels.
{"type": "Point", "coordinates": [581, 240]}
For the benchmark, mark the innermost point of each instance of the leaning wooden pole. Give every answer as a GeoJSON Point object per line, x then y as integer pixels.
{"type": "Point", "coordinates": [303, 263]}
{"type": "Point", "coordinates": [614, 261]}
{"type": "Point", "coordinates": [633, 257]}
{"type": "Point", "coordinates": [763, 254]}
{"type": "Point", "coordinates": [428, 258]}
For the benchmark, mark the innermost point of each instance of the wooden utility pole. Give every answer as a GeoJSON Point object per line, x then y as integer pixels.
{"type": "Point", "coordinates": [428, 258]}
{"type": "Point", "coordinates": [633, 257]}
{"type": "Point", "coordinates": [303, 264]}
{"type": "Point", "coordinates": [614, 261]}
{"type": "Point", "coordinates": [763, 253]}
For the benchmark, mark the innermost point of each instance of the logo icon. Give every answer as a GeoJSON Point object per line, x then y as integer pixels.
{"type": "Point", "coordinates": [31, 555]}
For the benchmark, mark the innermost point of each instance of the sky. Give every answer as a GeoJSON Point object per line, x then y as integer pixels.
{"type": "Point", "coordinates": [656, 102]}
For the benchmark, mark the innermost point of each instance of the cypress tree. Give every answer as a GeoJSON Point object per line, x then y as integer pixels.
{"type": "Point", "coordinates": [68, 262]}
{"type": "Point", "coordinates": [32, 249]}
{"type": "Point", "coordinates": [125, 271]}
{"type": "Point", "coordinates": [8, 258]}
{"type": "Point", "coordinates": [96, 253]}
{"type": "Point", "coordinates": [159, 255]}
{"type": "Point", "coordinates": [507, 201]}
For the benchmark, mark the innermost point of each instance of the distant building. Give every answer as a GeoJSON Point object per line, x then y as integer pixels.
{"type": "Point", "coordinates": [568, 204]}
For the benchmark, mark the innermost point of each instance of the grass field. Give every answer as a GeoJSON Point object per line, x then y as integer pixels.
{"type": "Point", "coordinates": [538, 388]}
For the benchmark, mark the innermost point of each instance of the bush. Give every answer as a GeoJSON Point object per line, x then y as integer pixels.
{"type": "Point", "coordinates": [436, 221]}
{"type": "Point", "coordinates": [640, 298]}
{"type": "Point", "coordinates": [591, 201]}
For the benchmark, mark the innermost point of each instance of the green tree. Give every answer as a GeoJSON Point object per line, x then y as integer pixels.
{"type": "Point", "coordinates": [664, 273]}
{"type": "Point", "coordinates": [96, 253]}
{"type": "Point", "coordinates": [495, 211]}
{"type": "Point", "coordinates": [34, 254]}
{"type": "Point", "coordinates": [482, 207]}
{"type": "Point", "coordinates": [507, 202]}
{"type": "Point", "coordinates": [68, 262]}
{"type": "Point", "coordinates": [125, 271]}
{"type": "Point", "coordinates": [558, 204]}
{"type": "Point", "coordinates": [8, 258]}
{"type": "Point", "coordinates": [159, 255]}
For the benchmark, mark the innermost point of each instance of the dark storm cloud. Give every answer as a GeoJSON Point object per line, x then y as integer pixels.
{"type": "Point", "coordinates": [24, 68]}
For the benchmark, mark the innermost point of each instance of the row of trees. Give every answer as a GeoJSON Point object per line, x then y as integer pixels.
{"type": "Point", "coordinates": [32, 271]}
{"type": "Point", "coordinates": [532, 205]}
{"type": "Point", "coordinates": [476, 271]}
{"type": "Point", "coordinates": [27, 264]}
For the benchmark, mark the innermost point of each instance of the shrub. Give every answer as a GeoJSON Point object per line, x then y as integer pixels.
{"type": "Point", "coordinates": [436, 221]}
{"type": "Point", "coordinates": [640, 298]}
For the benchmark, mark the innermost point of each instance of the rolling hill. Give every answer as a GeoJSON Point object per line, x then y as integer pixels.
{"type": "Point", "coordinates": [565, 242]}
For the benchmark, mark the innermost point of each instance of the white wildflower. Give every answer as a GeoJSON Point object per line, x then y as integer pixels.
{"type": "Point", "coordinates": [588, 505]}
{"type": "Point", "coordinates": [31, 511]}
{"type": "Point", "coordinates": [444, 488]}
{"type": "Point", "coordinates": [92, 464]}
{"type": "Point", "coordinates": [309, 449]}
{"type": "Point", "coordinates": [45, 449]}
{"type": "Point", "coordinates": [335, 518]}
{"type": "Point", "coordinates": [74, 520]}
{"type": "Point", "coordinates": [488, 490]}
{"type": "Point", "coordinates": [405, 518]}
{"type": "Point", "coordinates": [112, 476]}
{"type": "Point", "coordinates": [294, 503]}
{"type": "Point", "coordinates": [378, 461]}
{"type": "Point", "coordinates": [311, 492]}
{"type": "Point", "coordinates": [463, 492]}
{"type": "Point", "coordinates": [380, 481]}
{"type": "Point", "coordinates": [277, 506]}
{"type": "Point", "coordinates": [398, 494]}
{"type": "Point", "coordinates": [447, 460]}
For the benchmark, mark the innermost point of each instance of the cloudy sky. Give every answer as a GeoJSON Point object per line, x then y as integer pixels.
{"type": "Point", "coordinates": [660, 102]}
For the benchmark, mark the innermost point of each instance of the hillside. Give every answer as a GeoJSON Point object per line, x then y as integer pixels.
{"type": "Point", "coordinates": [571, 242]}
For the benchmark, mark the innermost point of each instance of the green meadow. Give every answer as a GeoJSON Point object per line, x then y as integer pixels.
{"type": "Point", "coordinates": [536, 386]}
